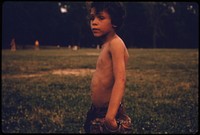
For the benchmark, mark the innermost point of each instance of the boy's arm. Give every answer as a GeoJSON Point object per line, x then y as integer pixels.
{"type": "Point", "coordinates": [117, 53]}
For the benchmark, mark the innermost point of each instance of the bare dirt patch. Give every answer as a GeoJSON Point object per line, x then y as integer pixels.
{"type": "Point", "coordinates": [92, 54]}
{"type": "Point", "coordinates": [76, 72]}
{"type": "Point", "coordinates": [22, 75]}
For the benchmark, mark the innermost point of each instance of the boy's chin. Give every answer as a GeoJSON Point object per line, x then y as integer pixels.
{"type": "Point", "coordinates": [97, 35]}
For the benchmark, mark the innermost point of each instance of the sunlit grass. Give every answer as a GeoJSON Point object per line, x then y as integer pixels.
{"type": "Point", "coordinates": [161, 93]}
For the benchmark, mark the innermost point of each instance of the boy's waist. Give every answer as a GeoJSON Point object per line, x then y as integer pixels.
{"type": "Point", "coordinates": [101, 111]}
{"type": "Point", "coordinates": [98, 109]}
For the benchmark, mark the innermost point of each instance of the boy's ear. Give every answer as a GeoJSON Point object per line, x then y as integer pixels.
{"type": "Point", "coordinates": [114, 26]}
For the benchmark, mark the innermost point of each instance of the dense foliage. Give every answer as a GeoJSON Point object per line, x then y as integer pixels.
{"type": "Point", "coordinates": [148, 24]}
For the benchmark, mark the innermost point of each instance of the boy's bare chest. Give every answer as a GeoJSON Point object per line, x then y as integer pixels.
{"type": "Point", "coordinates": [104, 58]}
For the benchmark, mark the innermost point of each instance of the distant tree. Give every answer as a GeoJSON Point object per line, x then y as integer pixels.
{"type": "Point", "coordinates": [186, 25]}
{"type": "Point", "coordinates": [174, 17]}
{"type": "Point", "coordinates": [76, 12]}
{"type": "Point", "coordinates": [155, 12]}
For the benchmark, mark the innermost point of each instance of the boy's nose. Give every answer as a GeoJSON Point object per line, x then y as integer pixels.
{"type": "Point", "coordinates": [95, 21]}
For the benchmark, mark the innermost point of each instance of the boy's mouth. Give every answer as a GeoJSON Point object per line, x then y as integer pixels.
{"type": "Point", "coordinates": [95, 30]}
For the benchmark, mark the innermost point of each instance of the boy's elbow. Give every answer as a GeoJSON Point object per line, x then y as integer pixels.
{"type": "Point", "coordinates": [120, 80]}
{"type": "Point", "coordinates": [120, 77]}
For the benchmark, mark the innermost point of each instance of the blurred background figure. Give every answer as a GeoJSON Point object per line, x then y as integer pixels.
{"type": "Point", "coordinates": [13, 45]}
{"type": "Point", "coordinates": [37, 45]}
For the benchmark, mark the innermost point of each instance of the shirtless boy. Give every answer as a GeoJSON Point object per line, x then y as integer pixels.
{"type": "Point", "coordinates": [107, 114]}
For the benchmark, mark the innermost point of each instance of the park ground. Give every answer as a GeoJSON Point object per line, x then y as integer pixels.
{"type": "Point", "coordinates": [48, 90]}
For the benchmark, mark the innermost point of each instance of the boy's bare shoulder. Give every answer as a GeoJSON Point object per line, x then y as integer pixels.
{"type": "Point", "coordinates": [116, 43]}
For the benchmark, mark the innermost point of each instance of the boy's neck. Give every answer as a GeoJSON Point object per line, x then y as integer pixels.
{"type": "Point", "coordinates": [108, 37]}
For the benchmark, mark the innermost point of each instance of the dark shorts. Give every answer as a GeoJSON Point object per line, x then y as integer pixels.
{"type": "Point", "coordinates": [93, 123]}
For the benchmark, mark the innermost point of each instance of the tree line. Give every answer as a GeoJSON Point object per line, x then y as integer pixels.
{"type": "Point", "coordinates": [147, 24]}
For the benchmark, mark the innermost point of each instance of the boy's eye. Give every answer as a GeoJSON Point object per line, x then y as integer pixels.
{"type": "Point", "coordinates": [91, 18]}
{"type": "Point", "coordinates": [101, 17]}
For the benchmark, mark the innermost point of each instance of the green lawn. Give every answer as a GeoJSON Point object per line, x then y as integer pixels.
{"type": "Point", "coordinates": [161, 93]}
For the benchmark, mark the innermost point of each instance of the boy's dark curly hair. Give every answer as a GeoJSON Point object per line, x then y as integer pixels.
{"type": "Point", "coordinates": [116, 10]}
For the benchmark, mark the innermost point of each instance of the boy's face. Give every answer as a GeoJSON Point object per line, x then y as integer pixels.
{"type": "Point", "coordinates": [100, 23]}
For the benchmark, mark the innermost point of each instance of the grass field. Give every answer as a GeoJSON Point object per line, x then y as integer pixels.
{"type": "Point", "coordinates": [161, 93]}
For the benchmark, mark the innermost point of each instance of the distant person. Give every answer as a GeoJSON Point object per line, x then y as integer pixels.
{"type": "Point", "coordinates": [37, 45]}
{"type": "Point", "coordinates": [13, 45]}
{"type": "Point", "coordinates": [107, 112]}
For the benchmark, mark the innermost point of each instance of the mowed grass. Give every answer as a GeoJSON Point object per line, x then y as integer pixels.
{"type": "Point", "coordinates": [161, 95]}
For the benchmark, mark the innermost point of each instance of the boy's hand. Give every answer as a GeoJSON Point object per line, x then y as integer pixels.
{"type": "Point", "coordinates": [111, 124]}
{"type": "Point", "coordinates": [101, 125]}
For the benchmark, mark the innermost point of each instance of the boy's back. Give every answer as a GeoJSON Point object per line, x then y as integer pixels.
{"type": "Point", "coordinates": [103, 79]}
